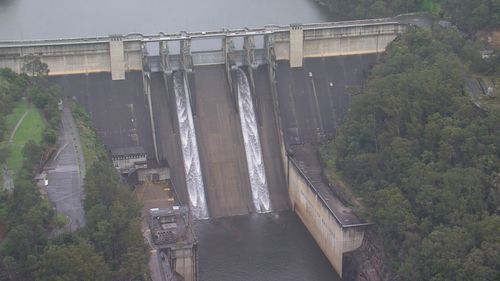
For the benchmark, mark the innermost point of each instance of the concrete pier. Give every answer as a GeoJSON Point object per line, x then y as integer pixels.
{"type": "Point", "coordinates": [117, 56]}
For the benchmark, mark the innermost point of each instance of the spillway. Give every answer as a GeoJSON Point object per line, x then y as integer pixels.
{"type": "Point", "coordinates": [269, 139]}
{"type": "Point", "coordinates": [253, 150]}
{"type": "Point", "coordinates": [194, 180]}
{"type": "Point", "coordinates": [222, 150]}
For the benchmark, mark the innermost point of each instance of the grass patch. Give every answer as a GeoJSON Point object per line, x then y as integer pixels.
{"type": "Point", "coordinates": [431, 7]}
{"type": "Point", "coordinates": [62, 220]}
{"type": "Point", "coordinates": [14, 116]}
{"type": "Point", "coordinates": [31, 128]}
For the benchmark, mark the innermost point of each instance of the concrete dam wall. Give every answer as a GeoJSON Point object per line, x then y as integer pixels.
{"type": "Point", "coordinates": [119, 109]}
{"type": "Point", "coordinates": [314, 99]}
{"type": "Point", "coordinates": [74, 56]}
{"type": "Point", "coordinates": [186, 111]}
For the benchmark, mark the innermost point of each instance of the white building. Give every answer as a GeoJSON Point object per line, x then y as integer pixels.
{"type": "Point", "coordinates": [128, 159]}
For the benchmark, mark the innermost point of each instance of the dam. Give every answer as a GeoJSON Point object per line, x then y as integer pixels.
{"type": "Point", "coordinates": [183, 108]}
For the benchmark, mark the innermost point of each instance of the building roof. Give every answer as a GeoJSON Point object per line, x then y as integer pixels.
{"type": "Point", "coordinates": [170, 226]}
{"type": "Point", "coordinates": [130, 150]}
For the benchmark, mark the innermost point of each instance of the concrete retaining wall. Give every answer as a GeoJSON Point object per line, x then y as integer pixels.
{"type": "Point", "coordinates": [347, 46]}
{"type": "Point", "coordinates": [333, 238]}
{"type": "Point", "coordinates": [318, 220]}
{"type": "Point", "coordinates": [184, 262]}
{"type": "Point", "coordinates": [64, 59]}
{"type": "Point", "coordinates": [338, 41]}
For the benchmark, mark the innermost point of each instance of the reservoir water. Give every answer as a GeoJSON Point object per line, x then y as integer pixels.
{"type": "Point", "coordinates": [35, 19]}
{"type": "Point", "coordinates": [257, 247]}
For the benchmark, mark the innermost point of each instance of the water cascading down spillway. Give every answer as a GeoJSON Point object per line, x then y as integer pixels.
{"type": "Point", "coordinates": [194, 180]}
{"type": "Point", "coordinates": [253, 150]}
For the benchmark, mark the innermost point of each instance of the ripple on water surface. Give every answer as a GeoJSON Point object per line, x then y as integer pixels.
{"type": "Point", "coordinates": [259, 247]}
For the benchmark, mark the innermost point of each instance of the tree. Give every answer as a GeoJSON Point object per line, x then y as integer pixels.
{"type": "Point", "coordinates": [113, 222]}
{"type": "Point", "coordinates": [32, 153]}
{"type": "Point", "coordinates": [393, 213]}
{"type": "Point", "coordinates": [426, 161]}
{"type": "Point", "coordinates": [71, 262]}
{"type": "Point", "coordinates": [443, 253]}
{"type": "Point", "coordinates": [34, 66]}
{"type": "Point", "coordinates": [4, 151]}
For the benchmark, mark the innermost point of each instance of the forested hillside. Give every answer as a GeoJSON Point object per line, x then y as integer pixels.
{"type": "Point", "coordinates": [110, 247]}
{"type": "Point", "coordinates": [468, 14]}
{"type": "Point", "coordinates": [426, 161]}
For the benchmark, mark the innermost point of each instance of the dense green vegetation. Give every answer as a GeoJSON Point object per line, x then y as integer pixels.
{"type": "Point", "coordinates": [88, 138]}
{"type": "Point", "coordinates": [468, 14]}
{"type": "Point", "coordinates": [113, 223]}
{"type": "Point", "coordinates": [109, 247]}
{"type": "Point", "coordinates": [426, 161]}
{"type": "Point", "coordinates": [111, 210]}
{"type": "Point", "coordinates": [26, 217]}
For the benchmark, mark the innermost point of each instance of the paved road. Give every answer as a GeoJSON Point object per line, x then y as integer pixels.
{"type": "Point", "coordinates": [420, 20]}
{"type": "Point", "coordinates": [474, 90]}
{"type": "Point", "coordinates": [66, 172]}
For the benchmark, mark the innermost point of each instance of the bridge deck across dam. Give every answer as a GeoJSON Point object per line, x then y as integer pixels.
{"type": "Point", "coordinates": [118, 54]}
{"type": "Point", "coordinates": [177, 36]}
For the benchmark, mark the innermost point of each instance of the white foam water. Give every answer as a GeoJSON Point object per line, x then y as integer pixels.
{"type": "Point", "coordinates": [260, 192]}
{"type": "Point", "coordinates": [194, 179]}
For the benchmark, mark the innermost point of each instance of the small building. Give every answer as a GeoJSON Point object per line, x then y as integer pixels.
{"type": "Point", "coordinates": [173, 237]}
{"type": "Point", "coordinates": [444, 24]}
{"type": "Point", "coordinates": [129, 159]}
{"type": "Point", "coordinates": [153, 174]}
{"type": "Point", "coordinates": [487, 54]}
{"type": "Point", "coordinates": [41, 179]}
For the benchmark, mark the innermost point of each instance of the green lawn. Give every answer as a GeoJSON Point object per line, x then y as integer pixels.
{"type": "Point", "coordinates": [11, 119]}
{"type": "Point", "coordinates": [431, 6]}
{"type": "Point", "coordinates": [31, 128]}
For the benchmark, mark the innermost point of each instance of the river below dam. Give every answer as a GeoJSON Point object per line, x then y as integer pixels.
{"type": "Point", "coordinates": [262, 247]}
